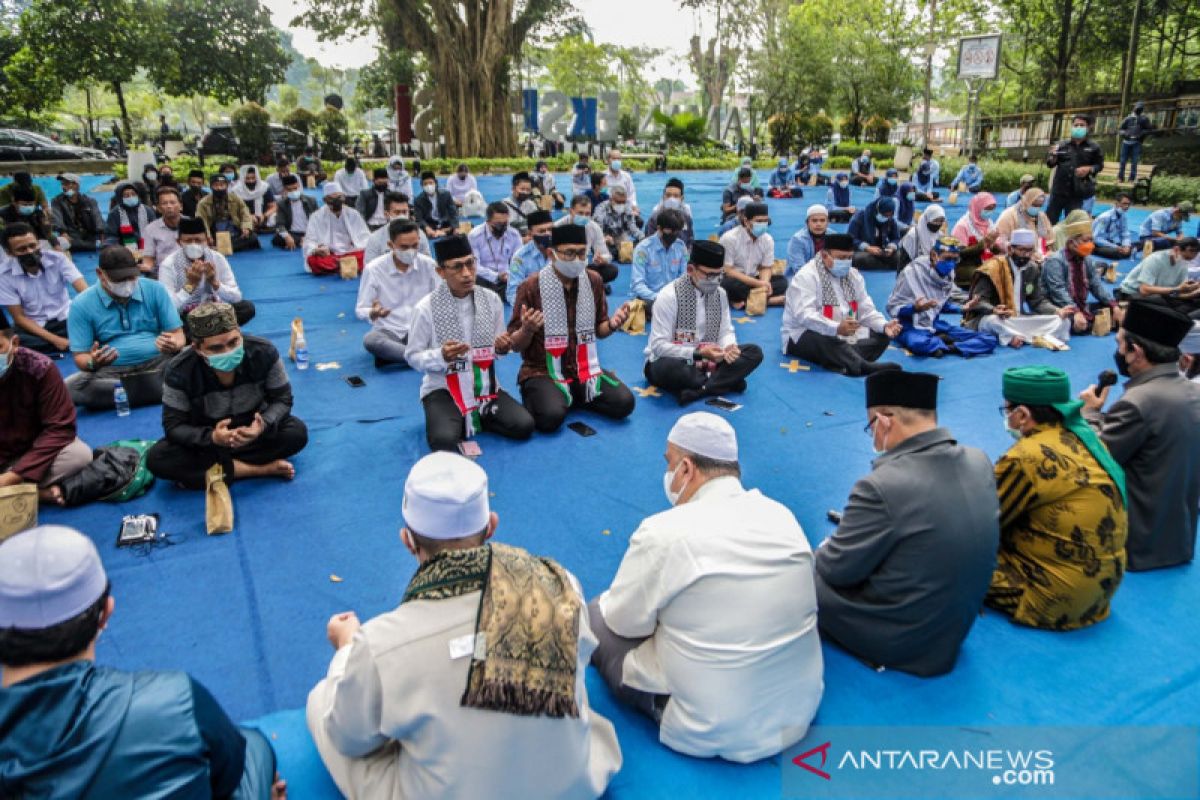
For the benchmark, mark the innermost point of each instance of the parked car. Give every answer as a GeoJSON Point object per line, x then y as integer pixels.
{"type": "Point", "coordinates": [19, 145]}
{"type": "Point", "coordinates": [220, 140]}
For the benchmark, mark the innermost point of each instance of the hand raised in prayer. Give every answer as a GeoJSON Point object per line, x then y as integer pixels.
{"type": "Point", "coordinates": [1093, 399]}
{"type": "Point", "coordinates": [248, 433]}
{"type": "Point", "coordinates": [731, 353]}
{"type": "Point", "coordinates": [847, 327]}
{"type": "Point", "coordinates": [210, 272]}
{"type": "Point", "coordinates": [378, 311]}
{"type": "Point", "coordinates": [222, 435]}
{"type": "Point", "coordinates": [618, 319]}
{"type": "Point", "coordinates": [504, 344]}
{"type": "Point", "coordinates": [341, 629]}
{"type": "Point", "coordinates": [892, 329]}
{"type": "Point", "coordinates": [452, 351]}
{"type": "Point", "coordinates": [195, 272]}
{"type": "Point", "coordinates": [102, 356]}
{"type": "Point", "coordinates": [532, 320]}
{"type": "Point", "coordinates": [169, 342]}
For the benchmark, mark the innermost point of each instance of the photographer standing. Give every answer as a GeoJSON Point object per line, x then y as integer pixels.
{"type": "Point", "coordinates": [1078, 161]}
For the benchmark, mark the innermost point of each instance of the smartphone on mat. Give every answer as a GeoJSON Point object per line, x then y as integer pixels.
{"type": "Point", "coordinates": [355, 381]}
{"type": "Point", "coordinates": [582, 428]}
{"type": "Point", "coordinates": [722, 403]}
{"type": "Point", "coordinates": [470, 449]}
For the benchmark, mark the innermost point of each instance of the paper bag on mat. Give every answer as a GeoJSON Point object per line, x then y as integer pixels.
{"type": "Point", "coordinates": [297, 334]}
{"type": "Point", "coordinates": [18, 509]}
{"type": "Point", "coordinates": [224, 243]}
{"type": "Point", "coordinates": [625, 252]}
{"type": "Point", "coordinates": [464, 228]}
{"type": "Point", "coordinates": [348, 267]}
{"type": "Point", "coordinates": [312, 181]}
{"type": "Point", "coordinates": [218, 505]}
{"type": "Point", "coordinates": [779, 267]}
{"type": "Point", "coordinates": [756, 303]}
{"type": "Point", "coordinates": [1102, 323]}
{"type": "Point", "coordinates": [636, 322]}
{"type": "Point", "coordinates": [546, 202]}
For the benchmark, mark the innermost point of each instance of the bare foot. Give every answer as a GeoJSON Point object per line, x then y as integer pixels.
{"type": "Point", "coordinates": [1016, 342]}
{"type": "Point", "coordinates": [52, 496]}
{"type": "Point", "coordinates": [739, 306]}
{"type": "Point", "coordinates": [276, 469]}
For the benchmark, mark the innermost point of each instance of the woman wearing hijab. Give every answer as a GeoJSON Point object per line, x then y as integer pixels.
{"type": "Point", "coordinates": [978, 235]}
{"type": "Point", "coordinates": [352, 180]}
{"type": "Point", "coordinates": [919, 239]}
{"type": "Point", "coordinates": [1028, 214]}
{"type": "Point", "coordinates": [1060, 230]}
{"type": "Point", "coordinates": [398, 178]}
{"type": "Point", "coordinates": [258, 197]}
{"type": "Point", "coordinates": [128, 218]}
{"type": "Point", "coordinates": [889, 186]}
{"type": "Point", "coordinates": [906, 205]}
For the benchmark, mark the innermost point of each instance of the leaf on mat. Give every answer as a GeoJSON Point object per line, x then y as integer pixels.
{"type": "Point", "coordinates": [606, 532]}
{"type": "Point", "coordinates": [335, 579]}
{"type": "Point", "coordinates": [324, 365]}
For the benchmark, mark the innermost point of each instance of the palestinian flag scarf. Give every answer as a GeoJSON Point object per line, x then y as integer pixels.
{"type": "Point", "coordinates": [686, 296]}
{"type": "Point", "coordinates": [471, 380]}
{"type": "Point", "coordinates": [557, 333]}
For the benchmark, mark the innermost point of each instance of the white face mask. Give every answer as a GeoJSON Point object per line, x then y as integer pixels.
{"type": "Point", "coordinates": [618, 207]}
{"type": "Point", "coordinates": [668, 480]}
{"type": "Point", "coordinates": [407, 257]}
{"type": "Point", "coordinates": [430, 188]}
{"type": "Point", "coordinates": [572, 268]}
{"type": "Point", "coordinates": [883, 445]}
{"type": "Point", "coordinates": [193, 251]}
{"type": "Point", "coordinates": [1011, 431]}
{"type": "Point", "coordinates": [123, 289]}
{"type": "Point", "coordinates": [672, 203]}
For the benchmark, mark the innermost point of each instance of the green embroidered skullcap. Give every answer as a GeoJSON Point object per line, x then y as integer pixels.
{"type": "Point", "coordinates": [211, 319]}
{"type": "Point", "coordinates": [1036, 386]}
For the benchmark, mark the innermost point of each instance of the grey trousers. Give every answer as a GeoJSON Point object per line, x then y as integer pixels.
{"type": "Point", "coordinates": [386, 345]}
{"type": "Point", "coordinates": [69, 460]}
{"type": "Point", "coordinates": [143, 383]}
{"type": "Point", "coordinates": [609, 660]}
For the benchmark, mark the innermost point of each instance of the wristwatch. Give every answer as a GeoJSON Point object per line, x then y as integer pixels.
{"type": "Point", "coordinates": [189, 288]}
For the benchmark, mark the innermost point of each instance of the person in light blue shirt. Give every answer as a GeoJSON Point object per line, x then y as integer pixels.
{"type": "Point", "coordinates": [926, 176]}
{"type": "Point", "coordinates": [1110, 230]}
{"type": "Point", "coordinates": [970, 174]}
{"type": "Point", "coordinates": [1164, 227]}
{"type": "Point", "coordinates": [530, 259]}
{"type": "Point", "coordinates": [807, 241]}
{"type": "Point", "coordinates": [837, 199]}
{"type": "Point", "coordinates": [1163, 278]}
{"type": "Point", "coordinates": [124, 328]}
{"type": "Point", "coordinates": [1014, 197]}
{"type": "Point", "coordinates": [783, 182]}
{"type": "Point", "coordinates": [659, 259]}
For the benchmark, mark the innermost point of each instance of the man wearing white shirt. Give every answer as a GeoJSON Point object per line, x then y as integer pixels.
{"type": "Point", "coordinates": [830, 319]}
{"type": "Point", "coordinates": [370, 203]}
{"type": "Point", "coordinates": [33, 287]}
{"type": "Point", "coordinates": [390, 289]}
{"type": "Point", "coordinates": [494, 243]}
{"type": "Point", "coordinates": [457, 335]}
{"type": "Point", "coordinates": [620, 177]}
{"type": "Point", "coordinates": [335, 231]}
{"type": "Point", "coordinates": [693, 352]}
{"type": "Point", "coordinates": [196, 274]}
{"type": "Point", "coordinates": [396, 206]}
{"type": "Point", "coordinates": [352, 180]}
{"type": "Point", "coordinates": [599, 256]}
{"type": "Point", "coordinates": [710, 625]}
{"type": "Point", "coordinates": [750, 259]}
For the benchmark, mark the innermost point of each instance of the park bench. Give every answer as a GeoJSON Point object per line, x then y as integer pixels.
{"type": "Point", "coordinates": [1140, 189]}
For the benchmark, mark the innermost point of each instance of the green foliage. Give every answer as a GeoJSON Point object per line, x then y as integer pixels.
{"type": "Point", "coordinates": [29, 84]}
{"type": "Point", "coordinates": [684, 128]}
{"type": "Point", "coordinates": [579, 68]}
{"type": "Point", "coordinates": [252, 127]}
{"type": "Point", "coordinates": [784, 130]}
{"type": "Point", "coordinates": [877, 129]}
{"type": "Point", "coordinates": [628, 126]}
{"type": "Point", "coordinates": [301, 119]}
{"type": "Point", "coordinates": [332, 131]}
{"type": "Point", "coordinates": [878, 150]}
{"type": "Point", "coordinates": [817, 129]}
{"type": "Point", "coordinates": [377, 80]}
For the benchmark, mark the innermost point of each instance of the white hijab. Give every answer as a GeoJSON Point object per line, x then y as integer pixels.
{"type": "Point", "coordinates": [252, 197]}
{"type": "Point", "coordinates": [918, 241]}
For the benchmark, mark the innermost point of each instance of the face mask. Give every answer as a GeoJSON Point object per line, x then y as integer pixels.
{"type": "Point", "coordinates": [1079, 132]}
{"type": "Point", "coordinates": [69, 192]}
{"type": "Point", "coordinates": [892, 181]}
{"type": "Point", "coordinates": [881, 218]}
{"type": "Point", "coordinates": [27, 211]}
{"type": "Point", "coordinates": [130, 202]}
{"type": "Point", "coordinates": [1033, 211]}
{"type": "Point", "coordinates": [407, 257]}
{"type": "Point", "coordinates": [616, 165]}
{"type": "Point", "coordinates": [1085, 249]}
{"type": "Point", "coordinates": [498, 230]}
{"type": "Point", "coordinates": [672, 203]}
{"type": "Point", "coordinates": [295, 194]}
{"type": "Point", "coordinates": [572, 268]}
{"type": "Point", "coordinates": [227, 362]}
{"type": "Point", "coordinates": [430, 188]}
{"type": "Point", "coordinates": [581, 220]}
{"type": "Point", "coordinates": [249, 184]}
{"type": "Point", "coordinates": [5, 363]}
{"type": "Point", "coordinates": [910, 196]}
{"type": "Point", "coordinates": [669, 239]}
{"type": "Point", "coordinates": [219, 193]}
{"type": "Point", "coordinates": [193, 251]}
{"type": "Point", "coordinates": [946, 267]}
{"type": "Point", "coordinates": [1011, 431]}
{"type": "Point", "coordinates": [883, 445]}
{"type": "Point", "coordinates": [618, 207]}
{"type": "Point", "coordinates": [167, 176]}
{"type": "Point", "coordinates": [759, 228]}
{"type": "Point", "coordinates": [335, 203]}
{"type": "Point", "coordinates": [520, 197]}
{"type": "Point", "coordinates": [843, 184]}
{"type": "Point", "coordinates": [230, 176]}
{"type": "Point", "coordinates": [840, 268]}
{"type": "Point", "coordinates": [934, 227]}
{"type": "Point", "coordinates": [30, 262]}
{"type": "Point", "coordinates": [707, 286]}
{"type": "Point", "coordinates": [462, 176]}
{"type": "Point", "coordinates": [1122, 364]}
{"type": "Point", "coordinates": [988, 214]}
{"type": "Point", "coordinates": [381, 187]}
{"type": "Point", "coordinates": [1019, 261]}
{"type": "Point", "coordinates": [668, 479]}
{"type": "Point", "coordinates": [745, 184]}
{"type": "Point", "coordinates": [542, 240]}
{"type": "Point", "coordinates": [151, 176]}
{"type": "Point", "coordinates": [123, 289]}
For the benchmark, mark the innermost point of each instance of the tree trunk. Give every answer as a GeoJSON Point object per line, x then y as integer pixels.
{"type": "Point", "coordinates": [90, 122]}
{"type": "Point", "coordinates": [1063, 56]}
{"type": "Point", "coordinates": [125, 126]}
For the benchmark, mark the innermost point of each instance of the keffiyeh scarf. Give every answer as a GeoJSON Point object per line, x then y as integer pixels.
{"type": "Point", "coordinates": [829, 298]}
{"type": "Point", "coordinates": [558, 339]}
{"type": "Point", "coordinates": [471, 380]}
{"type": "Point", "coordinates": [686, 296]}
{"type": "Point", "coordinates": [129, 234]}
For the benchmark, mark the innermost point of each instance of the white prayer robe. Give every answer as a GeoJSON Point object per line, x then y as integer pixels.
{"type": "Point", "coordinates": [321, 230]}
{"type": "Point", "coordinates": [803, 309]}
{"type": "Point", "coordinates": [723, 586]}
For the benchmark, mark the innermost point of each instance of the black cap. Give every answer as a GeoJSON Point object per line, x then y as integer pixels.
{"type": "Point", "coordinates": [707, 254]}
{"type": "Point", "coordinates": [118, 263]}
{"type": "Point", "coordinates": [219, 176]}
{"type": "Point", "coordinates": [755, 210]}
{"type": "Point", "coordinates": [1156, 323]}
{"type": "Point", "coordinates": [451, 247]}
{"type": "Point", "coordinates": [190, 225]}
{"type": "Point", "coordinates": [903, 389]}
{"type": "Point", "coordinates": [540, 217]}
{"type": "Point", "coordinates": [568, 234]}
{"type": "Point", "coordinates": [380, 172]}
{"type": "Point", "coordinates": [839, 241]}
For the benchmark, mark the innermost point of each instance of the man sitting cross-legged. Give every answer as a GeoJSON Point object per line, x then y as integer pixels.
{"type": "Point", "coordinates": [226, 401]}
{"type": "Point", "coordinates": [392, 285]}
{"type": "Point", "coordinates": [335, 231]}
{"type": "Point", "coordinates": [33, 287]}
{"type": "Point", "coordinates": [196, 274]}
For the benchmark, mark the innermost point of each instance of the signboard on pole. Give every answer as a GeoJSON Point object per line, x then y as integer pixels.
{"type": "Point", "coordinates": [979, 57]}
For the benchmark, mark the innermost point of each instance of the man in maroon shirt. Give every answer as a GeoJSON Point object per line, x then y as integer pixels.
{"type": "Point", "coordinates": [37, 422]}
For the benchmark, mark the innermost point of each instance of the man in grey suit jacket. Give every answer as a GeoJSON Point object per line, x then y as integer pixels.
{"type": "Point", "coordinates": [292, 213]}
{"type": "Point", "coordinates": [901, 581]}
{"type": "Point", "coordinates": [1153, 432]}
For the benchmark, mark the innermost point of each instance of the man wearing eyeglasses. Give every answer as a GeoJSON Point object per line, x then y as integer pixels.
{"type": "Point", "coordinates": [693, 352]}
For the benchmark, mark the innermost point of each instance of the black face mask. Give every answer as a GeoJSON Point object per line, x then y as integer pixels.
{"type": "Point", "coordinates": [1019, 261]}
{"type": "Point", "coordinates": [196, 189]}
{"type": "Point", "coordinates": [30, 262]}
{"type": "Point", "coordinates": [381, 187]}
{"type": "Point", "coordinates": [498, 230]}
{"type": "Point", "coordinates": [934, 227]}
{"type": "Point", "coordinates": [521, 197]}
{"type": "Point", "coordinates": [335, 203]}
{"type": "Point", "coordinates": [669, 239]}
{"type": "Point", "coordinates": [219, 193]}
{"type": "Point", "coordinates": [1122, 364]}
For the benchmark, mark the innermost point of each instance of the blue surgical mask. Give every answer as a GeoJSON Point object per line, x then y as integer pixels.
{"type": "Point", "coordinates": [69, 192]}
{"type": "Point", "coordinates": [840, 268]}
{"type": "Point", "coordinates": [910, 196]}
{"type": "Point", "coordinates": [581, 220]}
{"type": "Point", "coordinates": [1033, 211]}
{"type": "Point", "coordinates": [231, 176]}
{"type": "Point", "coordinates": [616, 165]}
{"type": "Point", "coordinates": [1079, 132]}
{"type": "Point", "coordinates": [745, 184]}
{"type": "Point", "coordinates": [892, 181]}
{"type": "Point", "coordinates": [227, 362]}
{"type": "Point", "coordinates": [944, 268]}
{"type": "Point", "coordinates": [130, 202]}
{"type": "Point", "coordinates": [5, 363]}
{"type": "Point", "coordinates": [26, 211]}
{"type": "Point", "coordinates": [881, 218]}
{"type": "Point", "coordinates": [295, 194]}
{"type": "Point", "coordinates": [759, 228]}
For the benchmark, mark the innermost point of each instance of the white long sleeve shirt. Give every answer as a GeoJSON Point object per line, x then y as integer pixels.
{"type": "Point", "coordinates": [492, 255]}
{"type": "Point", "coordinates": [172, 274]}
{"type": "Point", "coordinates": [377, 244]}
{"type": "Point", "coordinates": [743, 685]}
{"type": "Point", "coordinates": [341, 234]}
{"type": "Point", "coordinates": [398, 291]}
{"type": "Point", "coordinates": [662, 330]}
{"type": "Point", "coordinates": [424, 351]}
{"type": "Point", "coordinates": [804, 307]}
{"type": "Point", "coordinates": [352, 184]}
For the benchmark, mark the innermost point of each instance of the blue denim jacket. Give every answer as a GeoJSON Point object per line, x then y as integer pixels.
{"type": "Point", "coordinates": [1056, 275]}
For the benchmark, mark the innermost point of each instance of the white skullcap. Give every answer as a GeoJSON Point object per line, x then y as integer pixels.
{"type": "Point", "coordinates": [817, 208]}
{"type": "Point", "coordinates": [446, 497]}
{"type": "Point", "coordinates": [1022, 237]}
{"type": "Point", "coordinates": [330, 188]}
{"type": "Point", "coordinates": [48, 574]}
{"type": "Point", "coordinates": [705, 435]}
{"type": "Point", "coordinates": [934, 212]}
{"type": "Point", "coordinates": [744, 201]}
{"type": "Point", "coordinates": [1191, 342]}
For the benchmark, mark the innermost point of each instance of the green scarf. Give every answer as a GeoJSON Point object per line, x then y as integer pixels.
{"type": "Point", "coordinates": [529, 620]}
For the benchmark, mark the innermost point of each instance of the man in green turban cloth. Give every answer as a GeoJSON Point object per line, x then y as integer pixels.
{"type": "Point", "coordinates": [1062, 509]}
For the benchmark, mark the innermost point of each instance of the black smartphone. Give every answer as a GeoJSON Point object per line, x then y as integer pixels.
{"type": "Point", "coordinates": [355, 381]}
{"type": "Point", "coordinates": [582, 428]}
{"type": "Point", "coordinates": [722, 403]}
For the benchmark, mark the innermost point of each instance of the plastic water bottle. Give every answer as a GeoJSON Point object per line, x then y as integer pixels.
{"type": "Point", "coordinates": [121, 400]}
{"type": "Point", "coordinates": [301, 353]}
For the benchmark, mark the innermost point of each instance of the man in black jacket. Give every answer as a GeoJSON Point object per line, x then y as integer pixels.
{"type": "Point", "coordinates": [244, 377]}
{"type": "Point", "coordinates": [194, 193]}
{"type": "Point", "coordinates": [293, 208]}
{"type": "Point", "coordinates": [1078, 161]}
{"type": "Point", "coordinates": [435, 210]}
{"type": "Point", "coordinates": [371, 203]}
{"type": "Point", "coordinates": [76, 216]}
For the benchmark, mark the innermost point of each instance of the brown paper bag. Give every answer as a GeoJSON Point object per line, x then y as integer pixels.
{"type": "Point", "coordinates": [18, 509]}
{"type": "Point", "coordinates": [636, 322]}
{"type": "Point", "coordinates": [712, 237]}
{"type": "Point", "coordinates": [625, 252]}
{"type": "Point", "coordinates": [312, 181]}
{"type": "Point", "coordinates": [218, 505]}
{"type": "Point", "coordinates": [954, 198]}
{"type": "Point", "coordinates": [1102, 323]}
{"type": "Point", "coordinates": [224, 243]}
{"type": "Point", "coordinates": [779, 267]}
{"type": "Point", "coordinates": [756, 303]}
{"type": "Point", "coordinates": [1110, 274]}
{"type": "Point", "coordinates": [546, 202]}
{"type": "Point", "coordinates": [348, 267]}
{"type": "Point", "coordinates": [297, 333]}
{"type": "Point", "coordinates": [464, 228]}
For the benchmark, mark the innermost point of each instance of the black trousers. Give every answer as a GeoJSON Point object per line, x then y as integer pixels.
{"type": "Point", "coordinates": [927, 198]}
{"type": "Point", "coordinates": [1111, 253]}
{"type": "Point", "coordinates": [865, 261]}
{"type": "Point", "coordinates": [58, 327]}
{"type": "Point", "coordinates": [84, 243]}
{"type": "Point", "coordinates": [676, 375]}
{"type": "Point", "coordinates": [277, 240]}
{"type": "Point", "coordinates": [607, 272]}
{"type": "Point", "coordinates": [186, 465]}
{"type": "Point", "coordinates": [546, 402]}
{"type": "Point", "coordinates": [836, 355]}
{"type": "Point", "coordinates": [840, 215]}
{"type": "Point", "coordinates": [444, 424]}
{"type": "Point", "coordinates": [1060, 204]}
{"type": "Point", "coordinates": [858, 180]}
{"type": "Point", "coordinates": [738, 291]}
{"type": "Point", "coordinates": [239, 242]}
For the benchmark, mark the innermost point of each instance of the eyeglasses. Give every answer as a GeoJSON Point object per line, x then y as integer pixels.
{"type": "Point", "coordinates": [465, 264]}
{"type": "Point", "coordinates": [574, 252]}
{"type": "Point", "coordinates": [1005, 410]}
